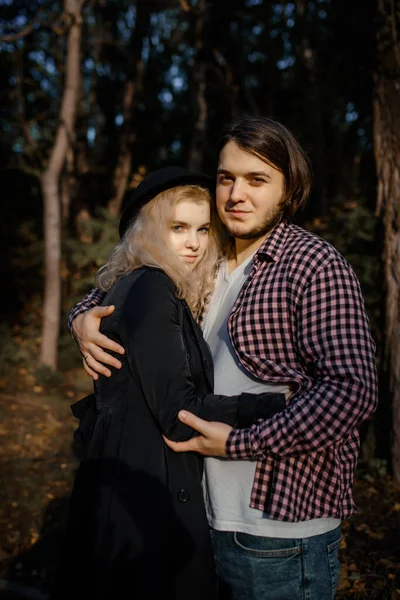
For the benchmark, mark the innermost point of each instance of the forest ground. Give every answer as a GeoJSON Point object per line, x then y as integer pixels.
{"type": "Point", "coordinates": [37, 464]}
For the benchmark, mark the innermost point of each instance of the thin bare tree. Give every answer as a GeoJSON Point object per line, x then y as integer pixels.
{"type": "Point", "coordinates": [387, 154]}
{"type": "Point", "coordinates": [50, 182]}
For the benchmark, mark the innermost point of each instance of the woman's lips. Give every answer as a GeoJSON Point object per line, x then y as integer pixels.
{"type": "Point", "coordinates": [190, 257]}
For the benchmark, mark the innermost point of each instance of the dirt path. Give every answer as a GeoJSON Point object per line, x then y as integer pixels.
{"type": "Point", "coordinates": [37, 464]}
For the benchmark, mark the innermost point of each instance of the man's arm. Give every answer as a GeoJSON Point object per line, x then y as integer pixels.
{"type": "Point", "coordinates": [84, 326]}
{"type": "Point", "coordinates": [336, 344]}
{"type": "Point", "coordinates": [334, 341]}
{"type": "Point", "coordinates": [92, 299]}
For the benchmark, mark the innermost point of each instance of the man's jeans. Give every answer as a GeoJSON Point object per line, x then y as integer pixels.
{"type": "Point", "coordinates": [259, 568]}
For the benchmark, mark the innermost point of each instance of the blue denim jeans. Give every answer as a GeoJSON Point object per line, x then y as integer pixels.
{"type": "Point", "coordinates": [260, 568]}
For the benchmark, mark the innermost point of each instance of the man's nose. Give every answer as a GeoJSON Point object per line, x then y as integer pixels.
{"type": "Point", "coordinates": [237, 191]}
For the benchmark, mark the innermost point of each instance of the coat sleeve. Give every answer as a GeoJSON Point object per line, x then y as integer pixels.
{"type": "Point", "coordinates": [156, 352]}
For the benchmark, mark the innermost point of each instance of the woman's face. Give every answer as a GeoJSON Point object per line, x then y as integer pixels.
{"type": "Point", "coordinates": [189, 231]}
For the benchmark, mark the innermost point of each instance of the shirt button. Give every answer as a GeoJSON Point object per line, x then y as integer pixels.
{"type": "Point", "coordinates": [183, 496]}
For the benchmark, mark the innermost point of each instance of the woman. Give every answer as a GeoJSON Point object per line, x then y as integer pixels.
{"type": "Point", "coordinates": [137, 526]}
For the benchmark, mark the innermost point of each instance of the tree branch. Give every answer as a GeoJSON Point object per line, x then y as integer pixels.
{"type": "Point", "coordinates": [185, 5]}
{"type": "Point", "coordinates": [60, 26]}
{"type": "Point", "coordinates": [13, 37]}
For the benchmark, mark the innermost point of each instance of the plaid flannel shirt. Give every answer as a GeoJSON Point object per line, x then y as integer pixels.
{"type": "Point", "coordinates": [92, 299]}
{"type": "Point", "coordinates": [300, 319]}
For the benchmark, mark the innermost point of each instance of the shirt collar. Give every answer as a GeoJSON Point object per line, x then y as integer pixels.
{"type": "Point", "coordinates": [272, 247]}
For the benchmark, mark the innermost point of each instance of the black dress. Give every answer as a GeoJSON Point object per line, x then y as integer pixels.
{"type": "Point", "coordinates": [137, 526]}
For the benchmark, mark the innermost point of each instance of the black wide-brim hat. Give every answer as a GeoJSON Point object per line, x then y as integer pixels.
{"type": "Point", "coordinates": [154, 184]}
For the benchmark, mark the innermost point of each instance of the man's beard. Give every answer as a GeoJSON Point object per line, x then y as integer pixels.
{"type": "Point", "coordinates": [269, 222]}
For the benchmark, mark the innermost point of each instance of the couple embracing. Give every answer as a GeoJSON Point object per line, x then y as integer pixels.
{"type": "Point", "coordinates": [233, 364]}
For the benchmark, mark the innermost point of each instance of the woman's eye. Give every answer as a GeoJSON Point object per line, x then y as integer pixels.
{"type": "Point", "coordinates": [204, 229]}
{"type": "Point", "coordinates": [177, 228]}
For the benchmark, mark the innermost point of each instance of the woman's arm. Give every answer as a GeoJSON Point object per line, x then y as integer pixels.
{"type": "Point", "coordinates": [243, 410]}
{"type": "Point", "coordinates": [151, 333]}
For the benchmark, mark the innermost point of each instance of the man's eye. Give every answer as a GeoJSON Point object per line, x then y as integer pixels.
{"type": "Point", "coordinates": [225, 179]}
{"type": "Point", "coordinates": [257, 180]}
{"type": "Point", "coordinates": [177, 227]}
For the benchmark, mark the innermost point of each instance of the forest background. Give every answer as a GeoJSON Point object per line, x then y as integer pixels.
{"type": "Point", "coordinates": [96, 94]}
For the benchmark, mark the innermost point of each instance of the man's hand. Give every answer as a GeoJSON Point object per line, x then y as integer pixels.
{"type": "Point", "coordinates": [85, 329]}
{"type": "Point", "coordinates": [211, 442]}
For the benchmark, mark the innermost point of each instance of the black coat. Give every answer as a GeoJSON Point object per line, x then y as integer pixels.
{"type": "Point", "coordinates": [137, 526]}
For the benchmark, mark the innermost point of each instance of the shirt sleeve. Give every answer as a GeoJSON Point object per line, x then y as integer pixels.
{"type": "Point", "coordinates": [151, 332]}
{"type": "Point", "coordinates": [335, 344]}
{"type": "Point", "coordinates": [92, 299]}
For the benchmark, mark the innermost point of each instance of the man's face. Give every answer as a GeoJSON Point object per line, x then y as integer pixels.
{"type": "Point", "coordinates": [248, 193]}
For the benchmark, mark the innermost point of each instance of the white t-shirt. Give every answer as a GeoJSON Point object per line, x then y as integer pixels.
{"type": "Point", "coordinates": [227, 484]}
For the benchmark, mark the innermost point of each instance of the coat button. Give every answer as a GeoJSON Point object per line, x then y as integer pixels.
{"type": "Point", "coordinates": [183, 496]}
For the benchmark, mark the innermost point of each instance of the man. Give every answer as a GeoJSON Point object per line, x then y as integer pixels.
{"type": "Point", "coordinates": [286, 315]}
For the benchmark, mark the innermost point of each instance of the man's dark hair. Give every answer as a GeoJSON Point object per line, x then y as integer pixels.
{"type": "Point", "coordinates": [273, 143]}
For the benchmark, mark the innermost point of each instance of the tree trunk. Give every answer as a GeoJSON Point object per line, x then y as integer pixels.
{"type": "Point", "coordinates": [311, 102]}
{"type": "Point", "coordinates": [387, 154]}
{"type": "Point", "coordinates": [51, 188]}
{"type": "Point", "coordinates": [133, 84]}
{"type": "Point", "coordinates": [197, 146]}
{"type": "Point", "coordinates": [198, 143]}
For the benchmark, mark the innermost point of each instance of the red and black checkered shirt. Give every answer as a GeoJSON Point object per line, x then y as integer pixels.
{"type": "Point", "coordinates": [300, 319]}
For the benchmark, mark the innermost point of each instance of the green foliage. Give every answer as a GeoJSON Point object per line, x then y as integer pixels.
{"type": "Point", "coordinates": [378, 469]}
{"type": "Point", "coordinates": [351, 228]}
{"type": "Point", "coordinates": [85, 254]}
{"type": "Point", "coordinates": [20, 343]}
{"type": "Point", "coordinates": [69, 357]}
{"type": "Point", "coordinates": [11, 353]}
{"type": "Point", "coordinates": [46, 377]}
{"type": "Point", "coordinates": [81, 260]}
{"type": "Point", "coordinates": [27, 255]}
